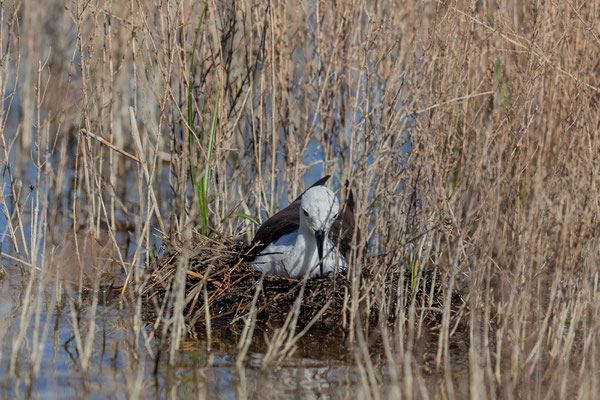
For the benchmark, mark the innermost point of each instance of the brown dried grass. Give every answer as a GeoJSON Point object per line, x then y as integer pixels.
{"type": "Point", "coordinates": [468, 132]}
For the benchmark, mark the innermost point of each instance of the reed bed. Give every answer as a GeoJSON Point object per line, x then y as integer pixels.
{"type": "Point", "coordinates": [467, 130]}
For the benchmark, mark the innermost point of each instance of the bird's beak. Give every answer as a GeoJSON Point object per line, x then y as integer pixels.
{"type": "Point", "coordinates": [320, 236]}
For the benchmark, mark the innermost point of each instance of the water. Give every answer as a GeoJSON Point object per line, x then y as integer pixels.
{"type": "Point", "coordinates": [120, 369]}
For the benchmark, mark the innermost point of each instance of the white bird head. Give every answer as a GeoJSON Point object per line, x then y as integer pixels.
{"type": "Point", "coordinates": [319, 208]}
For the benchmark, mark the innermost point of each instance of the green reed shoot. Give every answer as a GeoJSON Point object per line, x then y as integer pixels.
{"type": "Point", "coordinates": [201, 186]}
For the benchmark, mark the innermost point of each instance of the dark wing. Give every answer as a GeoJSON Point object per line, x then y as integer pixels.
{"type": "Point", "coordinates": [284, 222]}
{"type": "Point", "coordinates": [343, 227]}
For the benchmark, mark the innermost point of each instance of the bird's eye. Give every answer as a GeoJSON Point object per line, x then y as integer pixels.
{"type": "Point", "coordinates": [336, 215]}
{"type": "Point", "coordinates": [305, 213]}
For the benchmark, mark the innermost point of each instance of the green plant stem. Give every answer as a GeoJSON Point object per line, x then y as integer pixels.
{"type": "Point", "coordinates": [190, 108]}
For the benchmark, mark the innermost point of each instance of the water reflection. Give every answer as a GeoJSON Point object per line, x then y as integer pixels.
{"type": "Point", "coordinates": [298, 378]}
{"type": "Point", "coordinates": [118, 367]}
{"type": "Point", "coordinates": [320, 376]}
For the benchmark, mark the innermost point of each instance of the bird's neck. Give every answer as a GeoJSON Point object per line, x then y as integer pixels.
{"type": "Point", "coordinates": [306, 248]}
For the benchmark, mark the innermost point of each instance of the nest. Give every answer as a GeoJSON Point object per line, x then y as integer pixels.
{"type": "Point", "coordinates": [218, 277]}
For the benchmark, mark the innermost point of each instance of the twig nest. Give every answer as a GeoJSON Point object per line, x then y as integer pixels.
{"type": "Point", "coordinates": [221, 285]}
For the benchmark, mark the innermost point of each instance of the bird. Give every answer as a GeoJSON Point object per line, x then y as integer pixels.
{"type": "Point", "coordinates": [293, 241]}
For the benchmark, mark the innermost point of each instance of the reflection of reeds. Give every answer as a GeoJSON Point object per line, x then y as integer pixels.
{"type": "Point", "coordinates": [467, 131]}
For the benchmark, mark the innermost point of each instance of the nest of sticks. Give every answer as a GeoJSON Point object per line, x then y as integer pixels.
{"type": "Point", "coordinates": [217, 276]}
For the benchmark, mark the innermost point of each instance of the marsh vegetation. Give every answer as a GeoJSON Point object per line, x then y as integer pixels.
{"type": "Point", "coordinates": [133, 131]}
